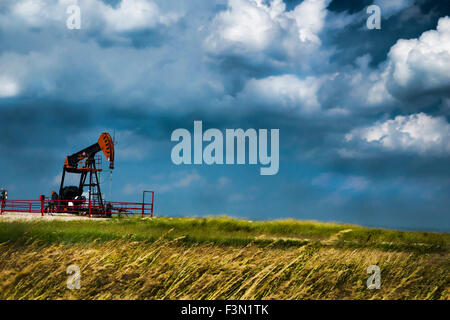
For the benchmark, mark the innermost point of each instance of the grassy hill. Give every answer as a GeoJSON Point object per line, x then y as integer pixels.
{"type": "Point", "coordinates": [218, 258]}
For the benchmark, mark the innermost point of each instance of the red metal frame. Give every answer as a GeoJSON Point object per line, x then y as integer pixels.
{"type": "Point", "coordinates": [151, 204]}
{"type": "Point", "coordinates": [81, 207]}
{"type": "Point", "coordinates": [1, 206]}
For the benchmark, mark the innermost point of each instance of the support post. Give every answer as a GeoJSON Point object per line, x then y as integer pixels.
{"type": "Point", "coordinates": [42, 198]}
{"type": "Point", "coordinates": [143, 199]}
{"type": "Point", "coordinates": [90, 206]}
{"type": "Point", "coordinates": [1, 206]}
{"type": "Point", "coordinates": [143, 202]}
{"type": "Point", "coordinates": [153, 198]}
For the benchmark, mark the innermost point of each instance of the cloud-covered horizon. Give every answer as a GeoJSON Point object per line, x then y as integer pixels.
{"type": "Point", "coordinates": [363, 114]}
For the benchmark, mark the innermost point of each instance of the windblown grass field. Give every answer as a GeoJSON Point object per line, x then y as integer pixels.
{"type": "Point", "coordinates": [218, 258]}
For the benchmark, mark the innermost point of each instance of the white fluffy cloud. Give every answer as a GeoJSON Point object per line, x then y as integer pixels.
{"type": "Point", "coordinates": [36, 12]}
{"type": "Point", "coordinates": [286, 91]}
{"type": "Point", "coordinates": [247, 24]}
{"type": "Point", "coordinates": [252, 25]}
{"type": "Point", "coordinates": [8, 87]}
{"type": "Point", "coordinates": [418, 133]}
{"type": "Point", "coordinates": [367, 86]}
{"type": "Point", "coordinates": [135, 15]}
{"type": "Point", "coordinates": [423, 64]}
{"type": "Point", "coordinates": [310, 19]}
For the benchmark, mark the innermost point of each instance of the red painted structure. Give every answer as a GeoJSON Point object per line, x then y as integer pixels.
{"type": "Point", "coordinates": [79, 207]}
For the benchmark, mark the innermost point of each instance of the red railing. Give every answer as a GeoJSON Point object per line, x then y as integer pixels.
{"type": "Point", "coordinates": [79, 207]}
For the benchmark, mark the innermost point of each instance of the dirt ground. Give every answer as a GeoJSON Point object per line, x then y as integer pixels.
{"type": "Point", "coordinates": [12, 216]}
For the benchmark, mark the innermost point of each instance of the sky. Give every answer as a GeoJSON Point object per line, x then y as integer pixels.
{"type": "Point", "coordinates": [363, 114]}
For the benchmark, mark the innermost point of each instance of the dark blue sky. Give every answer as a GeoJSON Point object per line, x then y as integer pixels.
{"type": "Point", "coordinates": [363, 114]}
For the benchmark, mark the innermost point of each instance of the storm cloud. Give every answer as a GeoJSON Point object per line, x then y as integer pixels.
{"type": "Point", "coordinates": [363, 114]}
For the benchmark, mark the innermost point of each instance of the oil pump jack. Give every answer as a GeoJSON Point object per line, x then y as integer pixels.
{"type": "Point", "coordinates": [85, 163]}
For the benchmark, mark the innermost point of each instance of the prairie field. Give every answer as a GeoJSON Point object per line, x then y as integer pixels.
{"type": "Point", "coordinates": [218, 258]}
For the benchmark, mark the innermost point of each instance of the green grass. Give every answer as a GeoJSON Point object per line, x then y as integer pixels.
{"type": "Point", "coordinates": [218, 258]}
{"type": "Point", "coordinates": [222, 230]}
